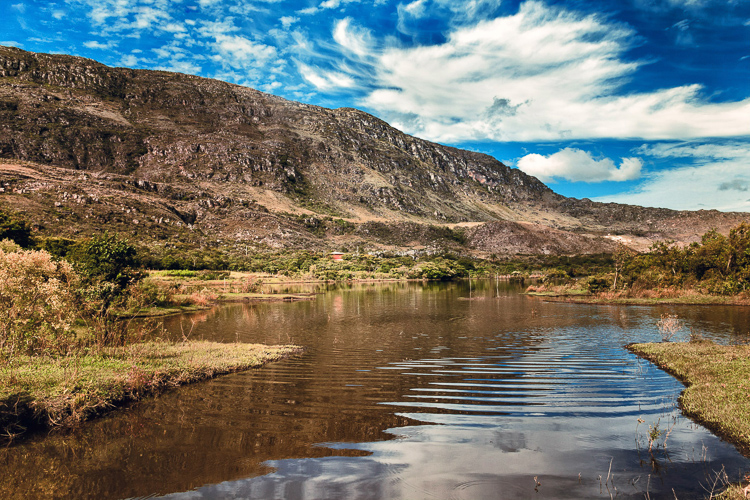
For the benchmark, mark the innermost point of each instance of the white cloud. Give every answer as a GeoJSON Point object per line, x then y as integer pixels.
{"type": "Point", "coordinates": [701, 151]}
{"type": "Point", "coordinates": [325, 80]}
{"type": "Point", "coordinates": [93, 44]}
{"type": "Point", "coordinates": [577, 165]}
{"type": "Point", "coordinates": [356, 41]}
{"type": "Point", "coordinates": [718, 178]}
{"type": "Point", "coordinates": [129, 61]}
{"type": "Point", "coordinates": [326, 4]}
{"type": "Point", "coordinates": [561, 74]}
{"type": "Point", "coordinates": [414, 9]}
{"type": "Point", "coordinates": [287, 21]}
{"type": "Point", "coordinates": [174, 28]}
{"type": "Point", "coordinates": [181, 66]}
{"type": "Point", "coordinates": [238, 49]}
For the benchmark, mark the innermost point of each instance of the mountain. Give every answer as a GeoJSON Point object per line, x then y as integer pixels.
{"type": "Point", "coordinates": [167, 156]}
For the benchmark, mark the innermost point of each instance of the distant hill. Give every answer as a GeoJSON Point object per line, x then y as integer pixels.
{"type": "Point", "coordinates": [167, 156]}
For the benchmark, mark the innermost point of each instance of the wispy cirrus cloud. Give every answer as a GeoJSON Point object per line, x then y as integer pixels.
{"type": "Point", "coordinates": [93, 44]}
{"type": "Point", "coordinates": [326, 5]}
{"type": "Point", "coordinates": [563, 72]}
{"type": "Point", "coordinates": [325, 80]}
{"type": "Point", "coordinates": [355, 40]}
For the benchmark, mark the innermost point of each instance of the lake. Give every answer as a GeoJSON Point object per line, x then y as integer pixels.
{"type": "Point", "coordinates": [406, 391]}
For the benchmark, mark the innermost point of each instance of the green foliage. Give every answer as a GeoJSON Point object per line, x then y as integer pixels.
{"type": "Point", "coordinates": [212, 275]}
{"type": "Point", "coordinates": [108, 267]}
{"type": "Point", "coordinates": [58, 247]}
{"type": "Point", "coordinates": [180, 273]}
{"type": "Point", "coordinates": [15, 228]}
{"type": "Point", "coordinates": [598, 283]}
{"type": "Point", "coordinates": [106, 258]}
{"type": "Point", "coordinates": [719, 264]}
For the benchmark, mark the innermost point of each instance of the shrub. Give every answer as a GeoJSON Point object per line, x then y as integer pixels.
{"type": "Point", "coordinates": [108, 266]}
{"type": "Point", "coordinates": [14, 228]}
{"type": "Point", "coordinates": [37, 304]}
{"type": "Point", "coordinates": [669, 325]}
{"type": "Point", "coordinates": [58, 247]}
{"type": "Point", "coordinates": [8, 246]}
{"type": "Point", "coordinates": [599, 283]}
{"type": "Point", "coordinates": [148, 294]}
{"type": "Point", "coordinates": [213, 275]}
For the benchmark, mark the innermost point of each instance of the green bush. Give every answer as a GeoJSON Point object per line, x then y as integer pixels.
{"type": "Point", "coordinates": [58, 247]}
{"type": "Point", "coordinates": [15, 228]}
{"type": "Point", "coordinates": [599, 283]}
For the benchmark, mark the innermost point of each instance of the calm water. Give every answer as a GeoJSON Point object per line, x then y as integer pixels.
{"type": "Point", "coordinates": [406, 391]}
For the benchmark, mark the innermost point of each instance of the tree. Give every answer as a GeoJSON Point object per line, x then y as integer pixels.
{"type": "Point", "coordinates": [108, 266]}
{"type": "Point", "coordinates": [107, 258]}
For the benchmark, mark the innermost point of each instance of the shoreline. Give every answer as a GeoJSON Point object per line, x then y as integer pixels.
{"type": "Point", "coordinates": [717, 390]}
{"type": "Point", "coordinates": [46, 393]}
{"type": "Point", "coordinates": [717, 384]}
{"type": "Point", "coordinates": [686, 300]}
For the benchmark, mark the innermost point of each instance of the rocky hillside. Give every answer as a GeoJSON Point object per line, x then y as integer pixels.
{"type": "Point", "coordinates": [84, 147]}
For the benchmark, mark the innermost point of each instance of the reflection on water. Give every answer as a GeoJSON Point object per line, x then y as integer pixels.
{"type": "Point", "coordinates": [406, 391]}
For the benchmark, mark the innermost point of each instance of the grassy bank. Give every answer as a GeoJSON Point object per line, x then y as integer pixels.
{"type": "Point", "coordinates": [717, 380]}
{"type": "Point", "coordinates": [579, 294]}
{"type": "Point", "coordinates": [717, 394]}
{"type": "Point", "coordinates": [41, 392]}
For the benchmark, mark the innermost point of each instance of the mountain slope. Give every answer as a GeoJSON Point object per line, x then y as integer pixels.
{"type": "Point", "coordinates": [174, 151]}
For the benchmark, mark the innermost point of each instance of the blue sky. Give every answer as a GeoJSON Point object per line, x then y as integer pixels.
{"type": "Point", "coordinates": [634, 101]}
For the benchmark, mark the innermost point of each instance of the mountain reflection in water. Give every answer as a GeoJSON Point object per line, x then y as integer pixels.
{"type": "Point", "coordinates": [405, 392]}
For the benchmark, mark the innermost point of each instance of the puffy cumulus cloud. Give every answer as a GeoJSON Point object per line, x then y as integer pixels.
{"type": "Point", "coordinates": [130, 61]}
{"type": "Point", "coordinates": [716, 177]}
{"type": "Point", "coordinates": [576, 165]}
{"type": "Point", "coordinates": [562, 73]}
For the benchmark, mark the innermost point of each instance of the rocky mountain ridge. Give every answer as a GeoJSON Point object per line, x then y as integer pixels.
{"type": "Point", "coordinates": [84, 146]}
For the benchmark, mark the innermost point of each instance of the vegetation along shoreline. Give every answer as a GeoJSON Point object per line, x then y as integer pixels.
{"type": "Point", "coordinates": [717, 389]}
{"type": "Point", "coordinates": [39, 392]}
